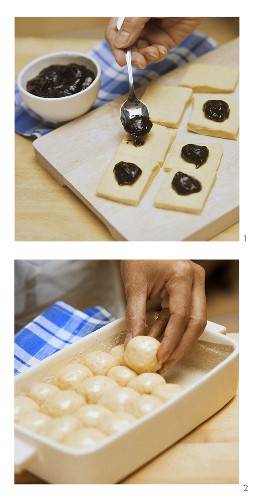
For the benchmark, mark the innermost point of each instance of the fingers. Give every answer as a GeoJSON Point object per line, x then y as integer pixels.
{"type": "Point", "coordinates": [130, 31]}
{"type": "Point", "coordinates": [196, 323]}
{"type": "Point", "coordinates": [135, 313]}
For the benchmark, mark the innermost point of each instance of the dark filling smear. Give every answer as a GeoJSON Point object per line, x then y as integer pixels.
{"type": "Point", "coordinates": [184, 184]}
{"type": "Point", "coordinates": [192, 153]}
{"type": "Point", "coordinates": [138, 127]}
{"type": "Point", "coordinates": [59, 80]}
{"type": "Point", "coordinates": [126, 173]}
{"type": "Point", "coordinates": [216, 110]}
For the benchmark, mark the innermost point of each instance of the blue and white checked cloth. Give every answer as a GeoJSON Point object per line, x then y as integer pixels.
{"type": "Point", "coordinates": [54, 329]}
{"type": "Point", "coordinates": [114, 79]}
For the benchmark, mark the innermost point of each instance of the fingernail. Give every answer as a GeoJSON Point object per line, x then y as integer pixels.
{"type": "Point", "coordinates": [122, 39]}
{"type": "Point", "coordinates": [163, 51]}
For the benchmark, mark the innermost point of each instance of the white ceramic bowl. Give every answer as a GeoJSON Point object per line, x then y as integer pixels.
{"type": "Point", "coordinates": [60, 109]}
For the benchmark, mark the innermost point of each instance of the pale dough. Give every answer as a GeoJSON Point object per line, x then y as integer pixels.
{"type": "Point", "coordinates": [167, 391]}
{"type": "Point", "coordinates": [99, 362]}
{"type": "Point", "coordinates": [166, 104]}
{"type": "Point", "coordinates": [58, 428]}
{"type": "Point", "coordinates": [201, 125]}
{"type": "Point", "coordinates": [146, 382]}
{"type": "Point", "coordinates": [34, 421]}
{"type": "Point", "coordinates": [117, 399]}
{"type": "Point", "coordinates": [84, 438]}
{"type": "Point", "coordinates": [143, 405]}
{"type": "Point", "coordinates": [169, 199]}
{"type": "Point", "coordinates": [72, 375]}
{"type": "Point", "coordinates": [116, 422]}
{"type": "Point", "coordinates": [210, 78]}
{"type": "Point", "coordinates": [117, 352]}
{"type": "Point", "coordinates": [141, 354]}
{"type": "Point", "coordinates": [22, 406]}
{"type": "Point", "coordinates": [122, 374]}
{"type": "Point", "coordinates": [40, 391]}
{"type": "Point", "coordinates": [157, 144]}
{"type": "Point", "coordinates": [93, 388]}
{"type": "Point", "coordinates": [131, 195]}
{"type": "Point", "coordinates": [62, 403]}
{"type": "Point", "coordinates": [91, 415]}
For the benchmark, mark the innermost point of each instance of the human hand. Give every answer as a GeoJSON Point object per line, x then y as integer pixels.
{"type": "Point", "coordinates": [180, 286]}
{"type": "Point", "coordinates": [150, 37]}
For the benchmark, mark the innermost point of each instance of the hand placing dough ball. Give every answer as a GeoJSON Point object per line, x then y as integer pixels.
{"type": "Point", "coordinates": [62, 403]}
{"type": "Point", "coordinates": [117, 352]}
{"type": "Point", "coordinates": [118, 398]}
{"type": "Point", "coordinates": [99, 362]}
{"type": "Point", "coordinates": [34, 421]}
{"type": "Point", "coordinates": [93, 388]}
{"type": "Point", "coordinates": [92, 415]}
{"type": "Point", "coordinates": [167, 391]}
{"type": "Point", "coordinates": [143, 405]}
{"type": "Point", "coordinates": [116, 422]}
{"type": "Point", "coordinates": [72, 375]}
{"type": "Point", "coordinates": [22, 406]}
{"type": "Point", "coordinates": [141, 354]}
{"type": "Point", "coordinates": [121, 374]}
{"type": "Point", "coordinates": [58, 428]}
{"type": "Point", "coordinates": [146, 382]}
{"type": "Point", "coordinates": [39, 392]}
{"type": "Point", "coordinates": [84, 438]}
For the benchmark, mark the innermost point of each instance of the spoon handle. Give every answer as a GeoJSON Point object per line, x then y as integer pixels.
{"type": "Point", "coordinates": [128, 59]}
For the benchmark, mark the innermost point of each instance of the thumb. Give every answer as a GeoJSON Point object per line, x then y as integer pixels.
{"type": "Point", "coordinates": [135, 313]}
{"type": "Point", "coordinates": [130, 31]}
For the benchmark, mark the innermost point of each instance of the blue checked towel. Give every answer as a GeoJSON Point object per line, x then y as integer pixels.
{"type": "Point", "coordinates": [54, 329]}
{"type": "Point", "coordinates": [114, 79]}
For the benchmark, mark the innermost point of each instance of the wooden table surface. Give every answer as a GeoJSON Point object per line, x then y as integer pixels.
{"type": "Point", "coordinates": [45, 210]}
{"type": "Point", "coordinates": [207, 455]}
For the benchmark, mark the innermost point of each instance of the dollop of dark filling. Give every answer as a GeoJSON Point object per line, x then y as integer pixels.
{"type": "Point", "coordinates": [60, 80]}
{"type": "Point", "coordinates": [192, 153]}
{"type": "Point", "coordinates": [126, 173]}
{"type": "Point", "coordinates": [216, 110]}
{"type": "Point", "coordinates": [138, 127]}
{"type": "Point", "coordinates": [184, 184]}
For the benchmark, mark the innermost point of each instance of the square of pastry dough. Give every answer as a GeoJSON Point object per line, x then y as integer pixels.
{"type": "Point", "coordinates": [157, 144]}
{"type": "Point", "coordinates": [169, 199]}
{"type": "Point", "coordinates": [175, 161]}
{"type": "Point", "coordinates": [129, 194]}
{"type": "Point", "coordinates": [201, 125]}
{"type": "Point", "coordinates": [210, 78]}
{"type": "Point", "coordinates": [166, 104]}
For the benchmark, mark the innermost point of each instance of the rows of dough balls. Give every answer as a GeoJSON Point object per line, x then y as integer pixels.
{"type": "Point", "coordinates": [87, 402]}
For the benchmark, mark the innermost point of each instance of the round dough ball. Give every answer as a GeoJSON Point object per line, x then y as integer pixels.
{"type": "Point", "coordinates": [99, 362]}
{"type": "Point", "coordinates": [84, 438]}
{"type": "Point", "coordinates": [92, 415]}
{"type": "Point", "coordinates": [58, 428]}
{"type": "Point", "coordinates": [118, 398]}
{"type": "Point", "coordinates": [167, 391]}
{"type": "Point", "coordinates": [93, 388]}
{"type": "Point", "coordinates": [116, 422]}
{"type": "Point", "coordinates": [143, 405]}
{"type": "Point", "coordinates": [62, 403]}
{"type": "Point", "coordinates": [22, 406]}
{"type": "Point", "coordinates": [34, 421]}
{"type": "Point", "coordinates": [146, 382]}
{"type": "Point", "coordinates": [40, 391]}
{"type": "Point", "coordinates": [72, 375]}
{"type": "Point", "coordinates": [141, 354]}
{"type": "Point", "coordinates": [117, 352]}
{"type": "Point", "coordinates": [121, 374]}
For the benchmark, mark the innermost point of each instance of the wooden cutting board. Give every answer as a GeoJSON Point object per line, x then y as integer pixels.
{"type": "Point", "coordinates": [77, 154]}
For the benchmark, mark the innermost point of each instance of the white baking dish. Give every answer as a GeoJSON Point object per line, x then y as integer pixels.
{"type": "Point", "coordinates": [208, 373]}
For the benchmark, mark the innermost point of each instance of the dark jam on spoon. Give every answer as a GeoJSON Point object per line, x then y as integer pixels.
{"type": "Point", "coordinates": [192, 153]}
{"type": "Point", "coordinates": [138, 127]}
{"type": "Point", "coordinates": [59, 80]}
{"type": "Point", "coordinates": [126, 173]}
{"type": "Point", "coordinates": [184, 184]}
{"type": "Point", "coordinates": [216, 110]}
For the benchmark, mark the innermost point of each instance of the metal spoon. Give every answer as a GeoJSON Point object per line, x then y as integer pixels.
{"type": "Point", "coordinates": [133, 106]}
